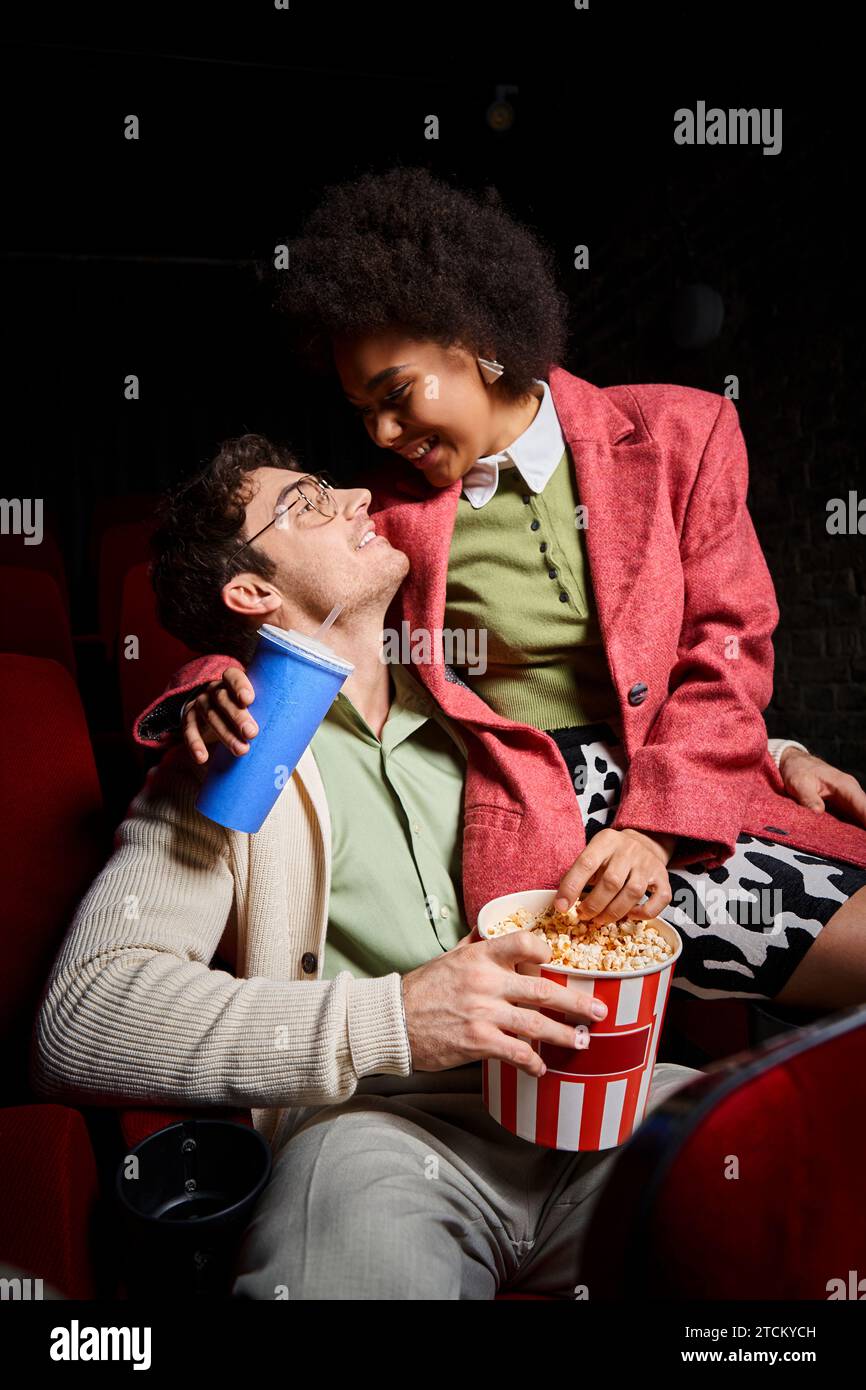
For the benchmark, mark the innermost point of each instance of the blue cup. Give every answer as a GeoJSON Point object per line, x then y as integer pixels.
{"type": "Point", "coordinates": [296, 680]}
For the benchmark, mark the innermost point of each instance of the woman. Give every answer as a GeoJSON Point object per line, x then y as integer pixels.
{"type": "Point", "coordinates": [600, 542]}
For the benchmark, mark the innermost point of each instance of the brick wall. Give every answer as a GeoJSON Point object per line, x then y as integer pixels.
{"type": "Point", "coordinates": [787, 266]}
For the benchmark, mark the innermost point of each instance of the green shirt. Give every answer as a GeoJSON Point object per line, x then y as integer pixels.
{"type": "Point", "coordinates": [518, 569]}
{"type": "Point", "coordinates": [396, 807]}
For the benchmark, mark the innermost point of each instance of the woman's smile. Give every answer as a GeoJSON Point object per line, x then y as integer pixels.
{"type": "Point", "coordinates": [432, 454]}
{"type": "Point", "coordinates": [418, 449]}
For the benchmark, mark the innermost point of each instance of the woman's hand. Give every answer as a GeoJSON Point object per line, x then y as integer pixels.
{"type": "Point", "coordinates": [623, 865]}
{"type": "Point", "coordinates": [219, 714]}
{"type": "Point", "coordinates": [812, 782]}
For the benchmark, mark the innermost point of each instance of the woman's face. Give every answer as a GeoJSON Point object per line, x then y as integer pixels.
{"type": "Point", "coordinates": [408, 393]}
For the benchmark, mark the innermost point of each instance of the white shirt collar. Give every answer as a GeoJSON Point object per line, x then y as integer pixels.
{"type": "Point", "coordinates": [535, 454]}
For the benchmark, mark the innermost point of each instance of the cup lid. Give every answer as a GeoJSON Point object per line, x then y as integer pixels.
{"type": "Point", "coordinates": [299, 641]}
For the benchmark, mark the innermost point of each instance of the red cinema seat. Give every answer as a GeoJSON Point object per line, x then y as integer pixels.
{"type": "Point", "coordinates": [145, 663]}
{"type": "Point", "coordinates": [33, 616]}
{"type": "Point", "coordinates": [122, 546]}
{"type": "Point", "coordinates": [49, 1181]}
{"type": "Point", "coordinates": [45, 558]}
{"type": "Point", "coordinates": [51, 820]}
{"type": "Point", "coordinates": [137, 1125]}
{"type": "Point", "coordinates": [51, 810]}
{"type": "Point", "coordinates": [118, 511]}
{"type": "Point", "coordinates": [747, 1183]}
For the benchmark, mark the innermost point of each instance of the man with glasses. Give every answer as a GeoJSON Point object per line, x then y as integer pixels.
{"type": "Point", "coordinates": [313, 492]}
{"type": "Point", "coordinates": [354, 1007]}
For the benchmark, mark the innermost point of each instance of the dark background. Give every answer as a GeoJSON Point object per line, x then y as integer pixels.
{"type": "Point", "coordinates": [139, 257]}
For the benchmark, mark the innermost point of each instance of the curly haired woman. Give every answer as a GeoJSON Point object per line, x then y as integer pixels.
{"type": "Point", "coordinates": [598, 542]}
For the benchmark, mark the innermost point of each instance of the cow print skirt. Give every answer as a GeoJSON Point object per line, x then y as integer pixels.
{"type": "Point", "coordinates": [746, 925]}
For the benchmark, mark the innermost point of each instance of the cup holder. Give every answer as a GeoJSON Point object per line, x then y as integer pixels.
{"type": "Point", "coordinates": [185, 1196]}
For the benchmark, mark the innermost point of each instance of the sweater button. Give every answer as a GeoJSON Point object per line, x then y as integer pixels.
{"type": "Point", "coordinates": [526, 498]}
{"type": "Point", "coordinates": [563, 596]}
{"type": "Point", "coordinates": [637, 694]}
{"type": "Point", "coordinates": [552, 573]}
{"type": "Point", "coordinates": [534, 525]}
{"type": "Point", "coordinates": [309, 963]}
{"type": "Point", "coordinates": [543, 547]}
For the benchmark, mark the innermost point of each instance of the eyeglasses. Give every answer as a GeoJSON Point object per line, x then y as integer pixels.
{"type": "Point", "coordinates": [314, 490]}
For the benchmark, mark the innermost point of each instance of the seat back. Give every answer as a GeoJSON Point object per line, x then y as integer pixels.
{"type": "Point", "coordinates": [117, 511]}
{"type": "Point", "coordinates": [747, 1184]}
{"type": "Point", "coordinates": [55, 840]}
{"type": "Point", "coordinates": [33, 616]}
{"type": "Point", "coordinates": [122, 546]}
{"type": "Point", "coordinates": [45, 557]}
{"type": "Point", "coordinates": [50, 1184]}
{"type": "Point", "coordinates": [144, 665]}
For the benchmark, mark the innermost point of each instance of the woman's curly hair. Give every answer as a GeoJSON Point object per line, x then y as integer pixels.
{"type": "Point", "coordinates": [403, 249]}
{"type": "Point", "coordinates": [201, 526]}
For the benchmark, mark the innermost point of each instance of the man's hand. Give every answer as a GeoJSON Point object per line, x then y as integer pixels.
{"type": "Point", "coordinates": [470, 1003]}
{"type": "Point", "coordinates": [219, 714]}
{"type": "Point", "coordinates": [622, 865]}
{"type": "Point", "coordinates": [812, 782]}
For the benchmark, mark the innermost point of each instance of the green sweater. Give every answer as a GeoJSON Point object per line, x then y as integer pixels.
{"type": "Point", "coordinates": [518, 568]}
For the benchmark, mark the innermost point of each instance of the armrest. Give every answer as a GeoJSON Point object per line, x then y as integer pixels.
{"type": "Point", "coordinates": [140, 1123]}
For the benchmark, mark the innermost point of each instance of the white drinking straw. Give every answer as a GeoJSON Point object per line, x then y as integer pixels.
{"type": "Point", "coordinates": [329, 621]}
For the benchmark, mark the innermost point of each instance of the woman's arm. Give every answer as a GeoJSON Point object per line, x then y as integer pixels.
{"type": "Point", "coordinates": [159, 724]}
{"type": "Point", "coordinates": [695, 773]}
{"type": "Point", "coordinates": [220, 711]}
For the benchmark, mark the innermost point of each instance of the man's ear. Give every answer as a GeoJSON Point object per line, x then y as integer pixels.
{"type": "Point", "coordinates": [251, 596]}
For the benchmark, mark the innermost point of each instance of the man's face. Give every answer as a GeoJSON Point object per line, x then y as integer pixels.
{"type": "Point", "coordinates": [321, 559]}
{"type": "Point", "coordinates": [409, 392]}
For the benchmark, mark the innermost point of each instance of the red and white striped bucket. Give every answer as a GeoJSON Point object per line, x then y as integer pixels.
{"type": "Point", "coordinates": [594, 1097]}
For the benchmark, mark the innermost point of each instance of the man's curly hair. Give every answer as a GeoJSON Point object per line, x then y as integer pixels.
{"type": "Point", "coordinates": [403, 249]}
{"type": "Point", "coordinates": [201, 525]}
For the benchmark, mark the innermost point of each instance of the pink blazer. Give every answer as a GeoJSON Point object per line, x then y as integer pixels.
{"type": "Point", "coordinates": [687, 609]}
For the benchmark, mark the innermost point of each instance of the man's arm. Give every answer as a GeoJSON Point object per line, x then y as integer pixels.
{"type": "Point", "coordinates": [817, 784]}
{"type": "Point", "coordinates": [132, 1010]}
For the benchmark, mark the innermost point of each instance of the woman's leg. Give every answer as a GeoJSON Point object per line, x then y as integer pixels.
{"type": "Point", "coordinates": [752, 926]}
{"type": "Point", "coordinates": [805, 944]}
{"type": "Point", "coordinates": [832, 974]}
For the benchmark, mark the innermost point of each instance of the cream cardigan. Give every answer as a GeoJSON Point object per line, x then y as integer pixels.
{"type": "Point", "coordinates": [132, 1011]}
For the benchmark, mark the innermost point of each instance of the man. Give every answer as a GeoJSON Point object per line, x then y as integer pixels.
{"type": "Point", "coordinates": [356, 1008]}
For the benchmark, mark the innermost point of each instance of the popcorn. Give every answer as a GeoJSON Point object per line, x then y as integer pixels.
{"type": "Point", "coordinates": [583, 945]}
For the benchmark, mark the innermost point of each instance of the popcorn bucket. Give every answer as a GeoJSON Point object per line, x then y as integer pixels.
{"type": "Point", "coordinates": [594, 1097]}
